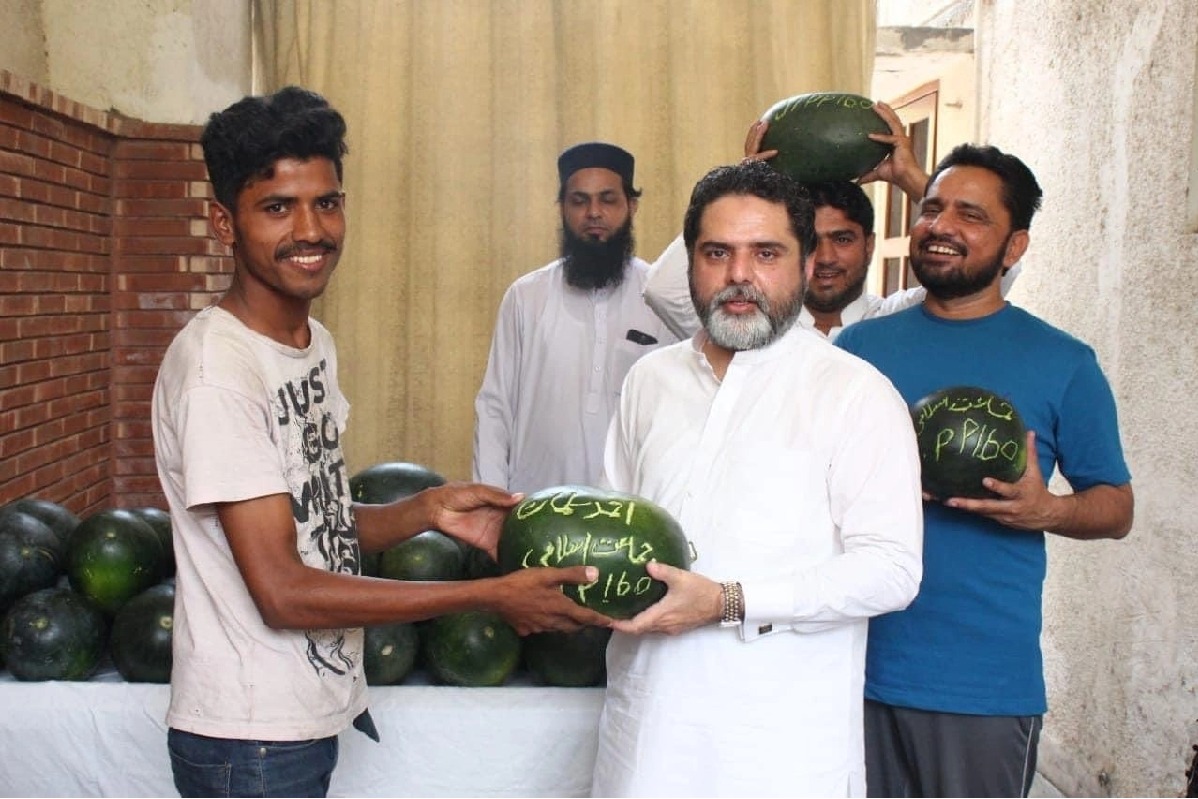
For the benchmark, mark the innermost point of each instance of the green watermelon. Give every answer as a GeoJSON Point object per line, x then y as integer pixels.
{"type": "Point", "coordinates": [615, 532]}
{"type": "Point", "coordinates": [966, 433]}
{"type": "Point", "coordinates": [30, 556]}
{"type": "Point", "coordinates": [55, 516]}
{"type": "Point", "coordinates": [140, 643]}
{"type": "Point", "coordinates": [823, 136]}
{"type": "Point", "coordinates": [160, 520]}
{"type": "Point", "coordinates": [431, 555]}
{"type": "Point", "coordinates": [479, 564]}
{"type": "Point", "coordinates": [471, 649]}
{"type": "Point", "coordinates": [112, 556]}
{"type": "Point", "coordinates": [53, 634]}
{"type": "Point", "coordinates": [390, 653]}
{"type": "Point", "coordinates": [569, 660]}
{"type": "Point", "coordinates": [387, 482]}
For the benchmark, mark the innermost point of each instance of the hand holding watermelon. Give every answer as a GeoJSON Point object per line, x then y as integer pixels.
{"type": "Point", "coordinates": [1025, 504]}
{"type": "Point", "coordinates": [691, 601]}
{"type": "Point", "coordinates": [900, 168]}
{"type": "Point", "coordinates": [532, 600]}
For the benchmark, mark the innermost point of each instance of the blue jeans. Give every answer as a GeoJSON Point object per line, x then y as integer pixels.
{"type": "Point", "coordinates": [205, 766]}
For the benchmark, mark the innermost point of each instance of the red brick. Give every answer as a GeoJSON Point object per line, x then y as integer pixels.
{"type": "Point", "coordinates": [31, 372]}
{"type": "Point", "coordinates": [154, 338]}
{"type": "Point", "coordinates": [16, 351]}
{"type": "Point", "coordinates": [148, 245]}
{"type": "Point", "coordinates": [14, 210]}
{"type": "Point", "coordinates": [33, 144]}
{"type": "Point", "coordinates": [221, 264]}
{"type": "Point", "coordinates": [17, 304]}
{"type": "Point", "coordinates": [65, 154]}
{"type": "Point", "coordinates": [193, 207]}
{"type": "Point", "coordinates": [14, 397]}
{"type": "Point", "coordinates": [126, 264]}
{"type": "Point", "coordinates": [18, 164]}
{"type": "Point", "coordinates": [190, 171]}
{"type": "Point", "coordinates": [51, 431]}
{"type": "Point", "coordinates": [178, 282]}
{"type": "Point", "coordinates": [150, 189]}
{"type": "Point", "coordinates": [147, 226]}
{"type": "Point", "coordinates": [15, 114]}
{"type": "Point", "coordinates": [136, 374]}
{"type": "Point", "coordinates": [140, 149]}
{"type": "Point", "coordinates": [17, 441]}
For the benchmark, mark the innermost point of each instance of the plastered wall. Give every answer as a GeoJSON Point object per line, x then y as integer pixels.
{"type": "Point", "coordinates": [154, 60]}
{"type": "Point", "coordinates": [1096, 97]}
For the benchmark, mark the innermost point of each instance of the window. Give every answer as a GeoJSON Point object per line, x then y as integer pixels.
{"type": "Point", "coordinates": [917, 110]}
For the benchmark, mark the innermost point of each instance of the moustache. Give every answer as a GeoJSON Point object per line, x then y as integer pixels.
{"type": "Point", "coordinates": [320, 247]}
{"type": "Point", "coordinates": [740, 292]}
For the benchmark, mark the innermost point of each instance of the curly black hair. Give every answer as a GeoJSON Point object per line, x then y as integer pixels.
{"type": "Point", "coordinates": [243, 142]}
{"type": "Point", "coordinates": [755, 179]}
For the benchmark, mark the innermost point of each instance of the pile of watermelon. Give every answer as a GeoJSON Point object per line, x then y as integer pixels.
{"type": "Point", "coordinates": [76, 591]}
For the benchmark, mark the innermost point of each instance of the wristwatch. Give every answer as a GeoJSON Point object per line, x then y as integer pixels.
{"type": "Point", "coordinates": [733, 598]}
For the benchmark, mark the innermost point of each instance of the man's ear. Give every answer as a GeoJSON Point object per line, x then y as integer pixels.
{"type": "Point", "coordinates": [1016, 247]}
{"type": "Point", "coordinates": [221, 220]}
{"type": "Point", "coordinates": [870, 240]}
{"type": "Point", "coordinates": [633, 204]}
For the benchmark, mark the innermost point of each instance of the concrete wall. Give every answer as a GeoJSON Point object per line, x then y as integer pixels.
{"type": "Point", "coordinates": [153, 60]}
{"type": "Point", "coordinates": [1096, 97]}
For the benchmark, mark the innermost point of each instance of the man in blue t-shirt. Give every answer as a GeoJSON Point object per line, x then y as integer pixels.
{"type": "Point", "coordinates": [954, 683]}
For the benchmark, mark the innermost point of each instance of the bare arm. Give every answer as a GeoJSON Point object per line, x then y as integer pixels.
{"type": "Point", "coordinates": [292, 595]}
{"type": "Point", "coordinates": [1101, 511]}
{"type": "Point", "coordinates": [470, 512]}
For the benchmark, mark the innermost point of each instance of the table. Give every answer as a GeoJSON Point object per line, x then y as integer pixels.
{"type": "Point", "coordinates": [106, 737]}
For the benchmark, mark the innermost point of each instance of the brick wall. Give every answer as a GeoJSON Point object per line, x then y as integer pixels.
{"type": "Point", "coordinates": [104, 254]}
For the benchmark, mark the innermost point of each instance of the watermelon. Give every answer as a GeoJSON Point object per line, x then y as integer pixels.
{"type": "Point", "coordinates": [160, 520]}
{"type": "Point", "coordinates": [479, 564]}
{"type": "Point", "coordinates": [112, 556]}
{"type": "Point", "coordinates": [966, 433]}
{"type": "Point", "coordinates": [390, 653]}
{"type": "Point", "coordinates": [53, 634]}
{"type": "Point", "coordinates": [471, 649]}
{"type": "Point", "coordinates": [140, 643]}
{"type": "Point", "coordinates": [823, 136]}
{"type": "Point", "coordinates": [30, 556]}
{"type": "Point", "coordinates": [431, 555]}
{"type": "Point", "coordinates": [569, 660]}
{"type": "Point", "coordinates": [615, 532]}
{"type": "Point", "coordinates": [53, 515]}
{"type": "Point", "coordinates": [387, 482]}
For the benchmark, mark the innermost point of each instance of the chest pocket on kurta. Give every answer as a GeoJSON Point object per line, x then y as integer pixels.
{"type": "Point", "coordinates": [624, 355]}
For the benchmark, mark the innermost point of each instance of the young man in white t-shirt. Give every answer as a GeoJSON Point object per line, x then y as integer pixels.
{"type": "Point", "coordinates": [247, 417]}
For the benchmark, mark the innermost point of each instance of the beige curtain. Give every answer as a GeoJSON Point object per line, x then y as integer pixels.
{"type": "Point", "coordinates": [457, 110]}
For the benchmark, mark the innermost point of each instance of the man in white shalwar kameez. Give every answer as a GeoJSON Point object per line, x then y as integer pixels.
{"type": "Point", "coordinates": [793, 469]}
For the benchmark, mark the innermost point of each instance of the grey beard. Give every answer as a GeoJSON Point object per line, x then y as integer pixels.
{"type": "Point", "coordinates": [759, 329]}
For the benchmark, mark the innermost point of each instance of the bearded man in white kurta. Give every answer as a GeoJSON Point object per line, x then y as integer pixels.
{"type": "Point", "coordinates": [793, 469]}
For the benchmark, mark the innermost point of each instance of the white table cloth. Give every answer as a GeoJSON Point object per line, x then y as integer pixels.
{"type": "Point", "coordinates": [106, 737]}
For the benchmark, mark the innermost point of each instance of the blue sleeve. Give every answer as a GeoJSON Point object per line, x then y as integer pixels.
{"type": "Point", "coordinates": [1089, 451]}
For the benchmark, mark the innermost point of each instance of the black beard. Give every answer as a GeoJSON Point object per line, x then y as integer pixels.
{"type": "Point", "coordinates": [839, 302]}
{"type": "Point", "coordinates": [596, 264]}
{"type": "Point", "coordinates": [959, 283]}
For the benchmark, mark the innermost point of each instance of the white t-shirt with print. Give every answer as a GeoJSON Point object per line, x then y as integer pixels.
{"type": "Point", "coordinates": [236, 416]}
